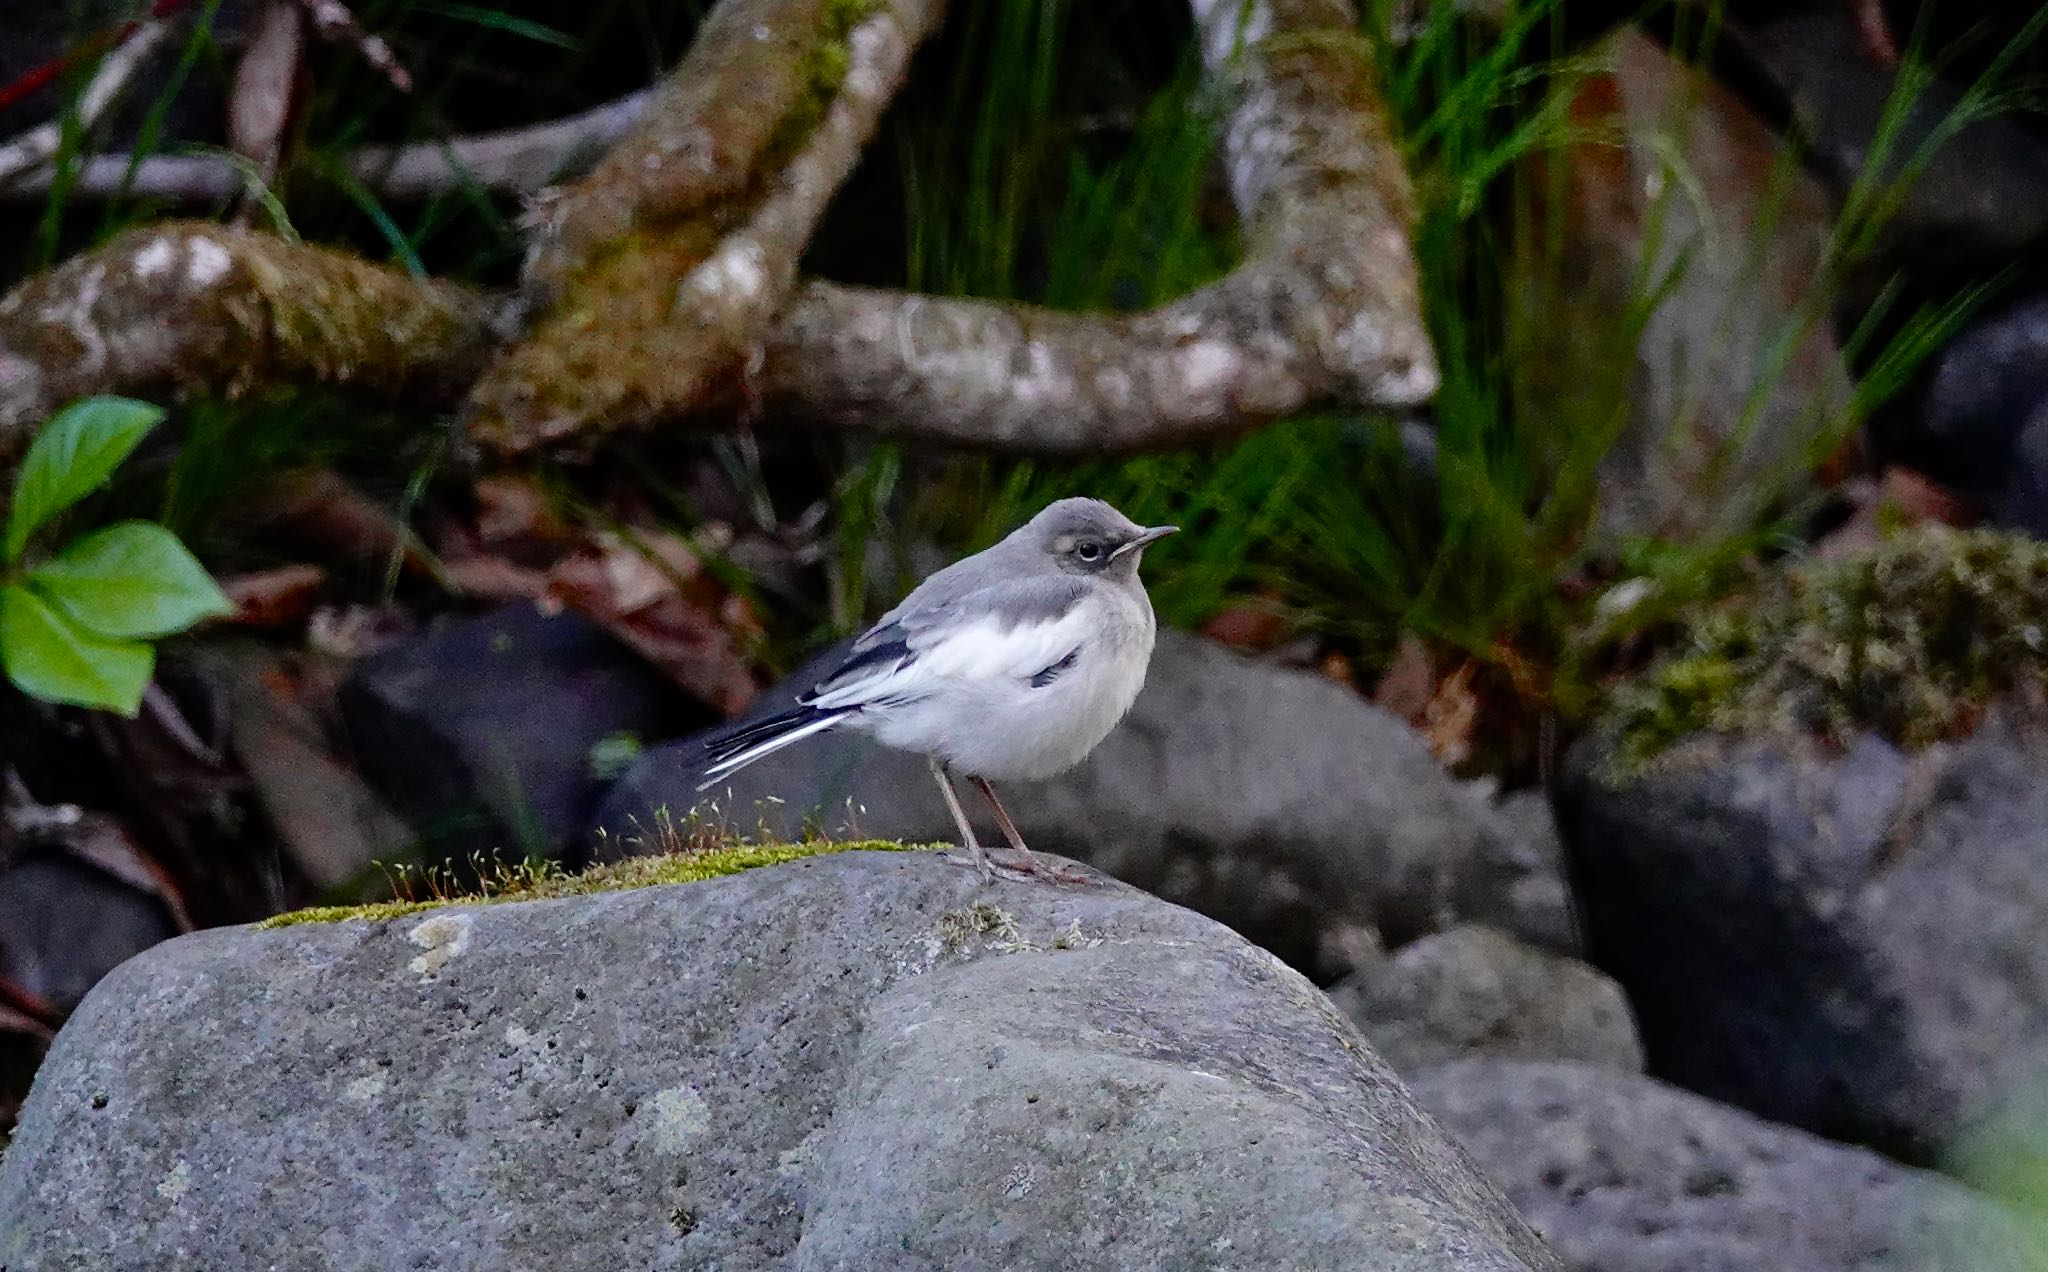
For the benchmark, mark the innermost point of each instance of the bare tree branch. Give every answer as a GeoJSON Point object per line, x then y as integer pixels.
{"type": "Point", "coordinates": [185, 306]}
{"type": "Point", "coordinates": [662, 275]}
{"type": "Point", "coordinates": [516, 161]}
{"type": "Point", "coordinates": [659, 272]}
{"type": "Point", "coordinates": [337, 25]}
{"type": "Point", "coordinates": [1324, 306]}
{"type": "Point", "coordinates": [36, 147]}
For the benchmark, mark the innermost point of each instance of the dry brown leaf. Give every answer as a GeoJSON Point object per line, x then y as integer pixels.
{"type": "Point", "coordinates": [323, 510]}
{"type": "Point", "coordinates": [357, 631]}
{"type": "Point", "coordinates": [513, 514]}
{"type": "Point", "coordinates": [636, 599]}
{"type": "Point", "coordinates": [1409, 681]}
{"type": "Point", "coordinates": [1251, 627]}
{"type": "Point", "coordinates": [265, 83]}
{"type": "Point", "coordinates": [493, 578]}
{"type": "Point", "coordinates": [281, 597]}
{"type": "Point", "coordinates": [96, 839]}
{"type": "Point", "coordinates": [1449, 718]}
{"type": "Point", "coordinates": [1898, 499]}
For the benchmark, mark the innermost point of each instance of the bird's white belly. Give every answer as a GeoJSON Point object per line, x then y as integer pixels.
{"type": "Point", "coordinates": [1009, 730]}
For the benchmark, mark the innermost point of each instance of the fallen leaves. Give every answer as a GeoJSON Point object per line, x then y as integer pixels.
{"type": "Point", "coordinates": [1445, 709]}
{"type": "Point", "coordinates": [644, 584]}
{"type": "Point", "coordinates": [651, 593]}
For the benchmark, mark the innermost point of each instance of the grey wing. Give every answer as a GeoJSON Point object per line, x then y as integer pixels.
{"type": "Point", "coordinates": [1016, 624]}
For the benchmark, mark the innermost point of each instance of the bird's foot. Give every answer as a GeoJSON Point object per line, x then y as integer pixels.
{"type": "Point", "coordinates": [1022, 863]}
{"type": "Point", "coordinates": [1018, 867]}
{"type": "Point", "coordinates": [974, 858]}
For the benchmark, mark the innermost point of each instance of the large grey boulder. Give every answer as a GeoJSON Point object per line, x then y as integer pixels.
{"type": "Point", "coordinates": [1856, 943]}
{"type": "Point", "coordinates": [855, 1061]}
{"type": "Point", "coordinates": [1475, 991]}
{"type": "Point", "coordinates": [1625, 1174]}
{"type": "Point", "coordinates": [1272, 799]}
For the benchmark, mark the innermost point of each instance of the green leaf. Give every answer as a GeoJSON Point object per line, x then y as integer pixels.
{"type": "Point", "coordinates": [50, 658]}
{"type": "Point", "coordinates": [130, 580]}
{"type": "Point", "coordinates": [78, 449]}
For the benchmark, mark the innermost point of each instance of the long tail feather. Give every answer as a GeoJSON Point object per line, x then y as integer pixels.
{"type": "Point", "coordinates": [734, 751]}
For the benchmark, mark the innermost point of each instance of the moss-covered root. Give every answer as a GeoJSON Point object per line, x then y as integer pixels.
{"type": "Point", "coordinates": [1910, 640]}
{"type": "Point", "coordinates": [655, 276]}
{"type": "Point", "coordinates": [546, 883]}
{"type": "Point", "coordinates": [195, 306]}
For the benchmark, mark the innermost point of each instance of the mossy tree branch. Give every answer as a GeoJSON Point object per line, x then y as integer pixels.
{"type": "Point", "coordinates": [655, 281]}
{"type": "Point", "coordinates": [199, 307]}
{"type": "Point", "coordinates": [1324, 307]}
{"type": "Point", "coordinates": [657, 274]}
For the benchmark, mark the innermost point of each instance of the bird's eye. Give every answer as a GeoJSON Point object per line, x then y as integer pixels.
{"type": "Point", "coordinates": [1088, 550]}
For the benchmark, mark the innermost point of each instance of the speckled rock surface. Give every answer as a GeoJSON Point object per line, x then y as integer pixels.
{"type": "Point", "coordinates": [1625, 1174]}
{"type": "Point", "coordinates": [854, 1061]}
{"type": "Point", "coordinates": [1475, 991]}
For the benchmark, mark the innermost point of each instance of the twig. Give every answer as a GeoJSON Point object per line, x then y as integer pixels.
{"type": "Point", "coordinates": [335, 24]}
{"type": "Point", "coordinates": [517, 161]}
{"type": "Point", "coordinates": [36, 147]}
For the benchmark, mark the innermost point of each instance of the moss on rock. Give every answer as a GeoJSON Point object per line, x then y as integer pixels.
{"type": "Point", "coordinates": [1909, 640]}
{"type": "Point", "coordinates": [547, 882]}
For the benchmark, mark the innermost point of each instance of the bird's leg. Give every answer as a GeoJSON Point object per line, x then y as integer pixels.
{"type": "Point", "coordinates": [1002, 815]}
{"type": "Point", "coordinates": [967, 839]}
{"type": "Point", "coordinates": [1028, 861]}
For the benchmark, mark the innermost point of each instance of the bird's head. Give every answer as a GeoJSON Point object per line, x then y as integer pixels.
{"type": "Point", "coordinates": [1087, 536]}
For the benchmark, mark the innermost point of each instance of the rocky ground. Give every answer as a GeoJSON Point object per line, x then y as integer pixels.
{"type": "Point", "coordinates": [857, 1060]}
{"type": "Point", "coordinates": [1808, 1036]}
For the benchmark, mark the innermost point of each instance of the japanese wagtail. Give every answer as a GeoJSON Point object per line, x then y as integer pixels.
{"type": "Point", "coordinates": [1010, 664]}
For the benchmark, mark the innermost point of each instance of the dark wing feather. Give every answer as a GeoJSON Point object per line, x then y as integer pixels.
{"type": "Point", "coordinates": [884, 645]}
{"type": "Point", "coordinates": [1041, 679]}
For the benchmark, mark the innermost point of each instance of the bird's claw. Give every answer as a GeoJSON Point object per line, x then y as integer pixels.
{"type": "Point", "coordinates": [1019, 867]}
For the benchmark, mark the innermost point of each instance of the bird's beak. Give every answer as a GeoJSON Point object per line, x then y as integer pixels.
{"type": "Point", "coordinates": [1150, 534]}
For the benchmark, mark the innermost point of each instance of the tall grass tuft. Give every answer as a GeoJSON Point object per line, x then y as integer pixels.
{"type": "Point", "coordinates": [1489, 544]}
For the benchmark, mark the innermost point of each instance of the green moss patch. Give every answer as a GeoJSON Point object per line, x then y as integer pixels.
{"type": "Point", "coordinates": [1909, 640]}
{"type": "Point", "coordinates": [547, 882]}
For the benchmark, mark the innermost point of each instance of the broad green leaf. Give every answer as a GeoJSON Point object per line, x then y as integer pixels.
{"type": "Point", "coordinates": [49, 657]}
{"type": "Point", "coordinates": [130, 580]}
{"type": "Point", "coordinates": [78, 449]}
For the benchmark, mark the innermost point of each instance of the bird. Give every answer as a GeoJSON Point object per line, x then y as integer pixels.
{"type": "Point", "coordinates": [1008, 665]}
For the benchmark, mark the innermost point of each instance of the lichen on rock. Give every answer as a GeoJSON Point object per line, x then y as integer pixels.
{"type": "Point", "coordinates": [1910, 640]}
{"type": "Point", "coordinates": [547, 882]}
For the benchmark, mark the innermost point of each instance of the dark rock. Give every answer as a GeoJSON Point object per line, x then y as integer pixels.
{"type": "Point", "coordinates": [1983, 426]}
{"type": "Point", "coordinates": [482, 734]}
{"type": "Point", "coordinates": [1275, 800]}
{"type": "Point", "coordinates": [1982, 196]}
{"type": "Point", "coordinates": [1625, 1174]}
{"type": "Point", "coordinates": [1474, 991]}
{"type": "Point", "coordinates": [855, 1061]}
{"type": "Point", "coordinates": [64, 923]}
{"type": "Point", "coordinates": [1850, 942]}
{"type": "Point", "coordinates": [327, 820]}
